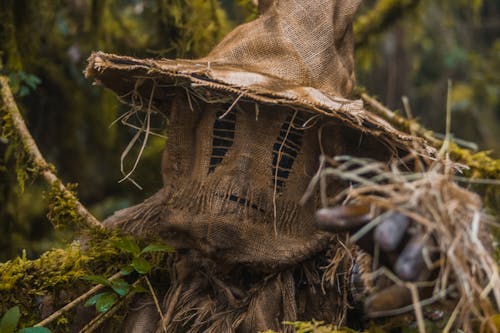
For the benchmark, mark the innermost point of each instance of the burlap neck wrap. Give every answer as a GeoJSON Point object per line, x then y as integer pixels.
{"type": "Point", "coordinates": [247, 125]}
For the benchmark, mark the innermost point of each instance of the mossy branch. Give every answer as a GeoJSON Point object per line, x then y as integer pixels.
{"type": "Point", "coordinates": [402, 123]}
{"type": "Point", "coordinates": [33, 153]}
{"type": "Point", "coordinates": [383, 15]}
{"type": "Point", "coordinates": [480, 163]}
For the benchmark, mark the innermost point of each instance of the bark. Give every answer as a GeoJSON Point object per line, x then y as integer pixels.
{"type": "Point", "coordinates": [35, 157]}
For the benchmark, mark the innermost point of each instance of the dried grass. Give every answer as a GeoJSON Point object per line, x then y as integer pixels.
{"type": "Point", "coordinates": [142, 114]}
{"type": "Point", "coordinates": [440, 209]}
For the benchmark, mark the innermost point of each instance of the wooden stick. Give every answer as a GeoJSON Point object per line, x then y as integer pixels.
{"type": "Point", "coordinates": [157, 304]}
{"type": "Point", "coordinates": [34, 155]}
{"type": "Point", "coordinates": [397, 120]}
{"type": "Point", "coordinates": [417, 307]}
{"type": "Point", "coordinates": [101, 318]}
{"type": "Point", "coordinates": [97, 321]}
{"type": "Point", "coordinates": [74, 303]}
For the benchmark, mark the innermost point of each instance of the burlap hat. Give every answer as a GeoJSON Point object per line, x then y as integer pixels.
{"type": "Point", "coordinates": [296, 53]}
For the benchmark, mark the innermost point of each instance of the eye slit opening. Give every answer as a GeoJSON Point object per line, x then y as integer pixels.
{"type": "Point", "coordinates": [286, 149]}
{"type": "Point", "coordinates": [245, 202]}
{"type": "Point", "coordinates": [222, 138]}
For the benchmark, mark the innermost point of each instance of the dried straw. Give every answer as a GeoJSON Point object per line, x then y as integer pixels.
{"type": "Point", "coordinates": [440, 209]}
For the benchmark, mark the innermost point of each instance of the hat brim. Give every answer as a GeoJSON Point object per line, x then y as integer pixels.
{"type": "Point", "coordinates": [156, 79]}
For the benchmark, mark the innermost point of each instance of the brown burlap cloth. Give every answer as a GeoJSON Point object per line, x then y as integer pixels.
{"type": "Point", "coordinates": [247, 125]}
{"type": "Point", "coordinates": [297, 53]}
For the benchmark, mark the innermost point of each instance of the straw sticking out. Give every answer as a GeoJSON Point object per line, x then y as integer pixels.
{"type": "Point", "coordinates": [438, 207]}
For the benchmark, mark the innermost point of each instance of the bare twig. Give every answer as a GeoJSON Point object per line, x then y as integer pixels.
{"type": "Point", "coordinates": [397, 120]}
{"type": "Point", "coordinates": [446, 144]}
{"type": "Point", "coordinates": [97, 321]}
{"type": "Point", "coordinates": [157, 304]}
{"type": "Point", "coordinates": [407, 107]}
{"type": "Point", "coordinates": [34, 155]}
{"type": "Point", "coordinates": [417, 307]}
{"type": "Point", "coordinates": [74, 303]}
{"type": "Point", "coordinates": [453, 316]}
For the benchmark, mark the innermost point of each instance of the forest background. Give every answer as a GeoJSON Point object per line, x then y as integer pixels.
{"type": "Point", "coordinates": [403, 48]}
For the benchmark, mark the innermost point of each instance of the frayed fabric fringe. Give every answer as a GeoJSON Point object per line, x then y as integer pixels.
{"type": "Point", "coordinates": [202, 298]}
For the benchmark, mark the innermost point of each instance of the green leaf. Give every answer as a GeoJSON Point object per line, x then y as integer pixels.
{"type": "Point", "coordinates": [9, 320]}
{"type": "Point", "coordinates": [93, 300]}
{"type": "Point", "coordinates": [120, 286]}
{"type": "Point", "coordinates": [35, 330]}
{"type": "Point", "coordinates": [106, 301]}
{"type": "Point", "coordinates": [32, 81]}
{"type": "Point", "coordinates": [99, 279]}
{"type": "Point", "coordinates": [126, 270]}
{"type": "Point", "coordinates": [139, 289]}
{"type": "Point", "coordinates": [24, 91]}
{"type": "Point", "coordinates": [157, 248]}
{"type": "Point", "coordinates": [128, 245]}
{"type": "Point", "coordinates": [141, 265]}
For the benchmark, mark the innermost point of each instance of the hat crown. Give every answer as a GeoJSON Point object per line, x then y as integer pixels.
{"type": "Point", "coordinates": [308, 42]}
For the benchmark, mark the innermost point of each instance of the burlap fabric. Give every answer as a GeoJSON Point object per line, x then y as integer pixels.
{"type": "Point", "coordinates": [297, 53]}
{"type": "Point", "coordinates": [279, 44]}
{"type": "Point", "coordinates": [247, 125]}
{"type": "Point", "coordinates": [247, 247]}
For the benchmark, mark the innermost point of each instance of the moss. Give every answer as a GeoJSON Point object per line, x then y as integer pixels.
{"type": "Point", "coordinates": [63, 206]}
{"type": "Point", "coordinates": [314, 327]}
{"type": "Point", "coordinates": [24, 167]}
{"type": "Point", "coordinates": [54, 279]}
{"type": "Point", "coordinates": [15, 148]}
{"type": "Point", "coordinates": [484, 173]}
{"type": "Point", "coordinates": [24, 282]}
{"type": "Point", "coordinates": [482, 168]}
{"type": "Point", "coordinates": [481, 164]}
{"type": "Point", "coordinates": [248, 9]}
{"type": "Point", "coordinates": [193, 26]}
{"type": "Point", "coordinates": [380, 17]}
{"type": "Point", "coordinates": [8, 37]}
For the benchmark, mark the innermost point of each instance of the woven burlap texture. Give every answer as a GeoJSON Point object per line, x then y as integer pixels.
{"type": "Point", "coordinates": [309, 43]}
{"type": "Point", "coordinates": [285, 75]}
{"type": "Point", "coordinates": [297, 53]}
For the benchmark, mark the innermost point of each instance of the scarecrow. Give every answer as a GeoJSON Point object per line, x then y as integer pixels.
{"type": "Point", "coordinates": [247, 126]}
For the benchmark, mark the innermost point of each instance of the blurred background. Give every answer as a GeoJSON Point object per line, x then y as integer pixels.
{"type": "Point", "coordinates": [410, 50]}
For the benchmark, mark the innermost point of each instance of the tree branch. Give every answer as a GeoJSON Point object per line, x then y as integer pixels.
{"type": "Point", "coordinates": [408, 125]}
{"type": "Point", "coordinates": [74, 302]}
{"type": "Point", "coordinates": [382, 16]}
{"type": "Point", "coordinates": [34, 155]}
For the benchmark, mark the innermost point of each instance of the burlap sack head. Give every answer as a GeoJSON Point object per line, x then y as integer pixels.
{"type": "Point", "coordinates": [247, 126]}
